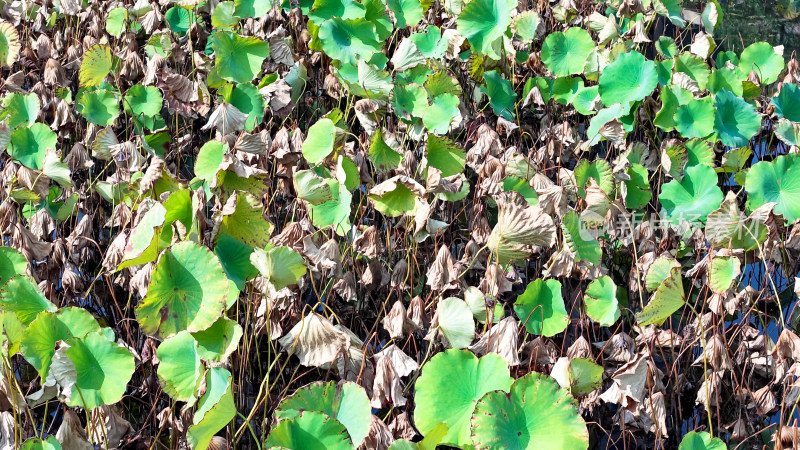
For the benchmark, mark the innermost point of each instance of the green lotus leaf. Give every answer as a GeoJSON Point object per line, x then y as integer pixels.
{"type": "Point", "coordinates": [366, 80]}
{"type": "Point", "coordinates": [348, 40]}
{"type": "Point", "coordinates": [407, 56]}
{"type": "Point", "coordinates": [12, 263]}
{"type": "Point", "coordinates": [565, 53]}
{"type": "Point", "coordinates": [238, 58]}
{"type": "Point", "coordinates": [670, 9]}
{"type": "Point", "coordinates": [335, 212]}
{"type": "Point", "coordinates": [142, 245]}
{"type": "Point", "coordinates": [319, 142]}
{"type": "Point", "coordinates": [672, 97]}
{"type": "Point", "coordinates": [246, 222]}
{"type": "Point", "coordinates": [629, 78]}
{"type": "Point", "coordinates": [455, 322]}
{"type": "Point", "coordinates": [788, 132]}
{"type": "Point", "coordinates": [347, 402]}
{"type": "Point", "coordinates": [699, 151]}
{"type": "Point", "coordinates": [396, 196]}
{"type": "Point", "coordinates": [692, 198]}
{"type": "Point", "coordinates": [541, 308]}
{"type": "Point", "coordinates": [693, 66]}
{"type": "Point", "coordinates": [445, 155]}
{"type": "Point", "coordinates": [29, 145]}
{"type": "Point", "coordinates": [100, 107]}
{"type": "Point", "coordinates": [144, 104]}
{"type": "Point", "coordinates": [659, 271]}
{"type": "Point", "coordinates": [179, 19]}
{"type": "Point", "coordinates": [599, 170]}
{"type": "Point", "coordinates": [696, 118]}
{"type": "Point", "coordinates": [736, 120]}
{"type": "Point", "coordinates": [603, 117]}
{"type": "Point", "coordinates": [9, 44]}
{"type": "Point", "coordinates": [586, 100]}
{"type": "Point", "coordinates": [323, 10]}
{"type": "Point", "coordinates": [116, 21]}
{"type": "Point", "coordinates": [601, 301]}
{"type": "Point", "coordinates": [776, 181]}
{"type": "Point", "coordinates": [310, 430]}
{"type": "Point", "coordinates": [410, 101]}
{"type": "Point", "coordinates": [701, 441]}
{"type": "Point", "coordinates": [39, 339]}
{"type": "Point", "coordinates": [501, 94]}
{"type": "Point", "coordinates": [438, 116]}
{"type": "Point", "coordinates": [407, 13]}
{"type": "Point", "coordinates": [281, 266]}
{"type": "Point", "coordinates": [668, 298]}
{"type": "Point", "coordinates": [429, 42]}
{"type": "Point", "coordinates": [787, 103]}
{"type": "Point", "coordinates": [215, 409]}
{"type": "Point", "coordinates": [252, 8]}
{"type": "Point", "coordinates": [383, 156]}
{"type": "Point", "coordinates": [523, 187]}
{"type": "Point", "coordinates": [761, 58]}
{"type": "Point", "coordinates": [208, 160]}
{"type": "Point", "coordinates": [96, 65]}
{"type": "Point", "coordinates": [51, 443]}
{"type": "Point", "coordinates": [483, 22]}
{"type": "Point", "coordinates": [723, 271]}
{"type": "Point", "coordinates": [526, 26]}
{"type": "Point", "coordinates": [312, 188]}
{"type": "Point", "coordinates": [235, 258]}
{"type": "Point", "coordinates": [667, 47]}
{"type": "Point", "coordinates": [103, 370]}
{"type": "Point", "coordinates": [188, 291]}
{"type": "Point", "coordinates": [580, 242]}
{"type": "Point", "coordinates": [246, 98]}
{"type": "Point", "coordinates": [23, 297]}
{"type": "Point", "coordinates": [637, 190]}
{"type": "Point", "coordinates": [537, 414]}
{"type": "Point", "coordinates": [180, 366]}
{"type": "Point", "coordinates": [376, 14]}
{"type": "Point", "coordinates": [223, 16]}
{"type": "Point", "coordinates": [466, 379]}
{"type": "Point", "coordinates": [725, 78]}
{"type": "Point", "coordinates": [217, 342]}
{"type": "Point", "coordinates": [586, 376]}
{"type": "Point", "coordinates": [565, 89]}
{"type": "Point", "coordinates": [20, 110]}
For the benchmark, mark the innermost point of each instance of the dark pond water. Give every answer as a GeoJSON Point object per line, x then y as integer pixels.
{"type": "Point", "coordinates": [748, 21]}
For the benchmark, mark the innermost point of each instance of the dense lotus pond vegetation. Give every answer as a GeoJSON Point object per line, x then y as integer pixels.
{"type": "Point", "coordinates": [399, 224]}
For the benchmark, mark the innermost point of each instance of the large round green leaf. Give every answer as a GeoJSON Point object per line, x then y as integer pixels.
{"type": "Point", "coordinates": [9, 44]}
{"type": "Point", "coordinates": [100, 107]}
{"type": "Point", "coordinates": [217, 342]}
{"type": "Point", "coordinates": [348, 40]}
{"type": "Point", "coordinates": [12, 263]}
{"type": "Point", "coordinates": [565, 53]}
{"type": "Point", "coordinates": [787, 103]}
{"type": "Point", "coordinates": [180, 366]}
{"type": "Point", "coordinates": [736, 121]}
{"type": "Point", "coordinates": [762, 58]}
{"type": "Point", "coordinates": [246, 98]}
{"type": "Point", "coordinates": [465, 379]}
{"type": "Point", "coordinates": [583, 245]}
{"type": "Point", "coordinates": [601, 301]}
{"type": "Point", "coordinates": [483, 22]}
{"type": "Point", "coordinates": [310, 430]}
{"type": "Point", "coordinates": [541, 308]}
{"type": "Point", "coordinates": [103, 370]}
{"type": "Point", "coordinates": [776, 181]}
{"type": "Point", "coordinates": [445, 155]}
{"type": "Point", "coordinates": [238, 58]}
{"type": "Point", "coordinates": [97, 63]}
{"type": "Point", "coordinates": [537, 414]}
{"type": "Point", "coordinates": [692, 198]}
{"type": "Point", "coordinates": [346, 402]}
{"type": "Point", "coordinates": [455, 322]}
{"type": "Point", "coordinates": [320, 140]}
{"type": "Point", "coordinates": [215, 409]}
{"type": "Point", "coordinates": [29, 145]}
{"type": "Point", "coordinates": [144, 104]}
{"type": "Point", "coordinates": [281, 266]}
{"type": "Point", "coordinates": [51, 443]}
{"type": "Point", "coordinates": [696, 118]}
{"type": "Point", "coordinates": [40, 338]}
{"type": "Point", "coordinates": [629, 78]}
{"type": "Point", "coordinates": [501, 94]}
{"type": "Point", "coordinates": [188, 291]}
{"type": "Point", "coordinates": [20, 109]}
{"type": "Point", "coordinates": [701, 441]}
{"type": "Point", "coordinates": [668, 298]}
{"type": "Point", "coordinates": [21, 296]}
